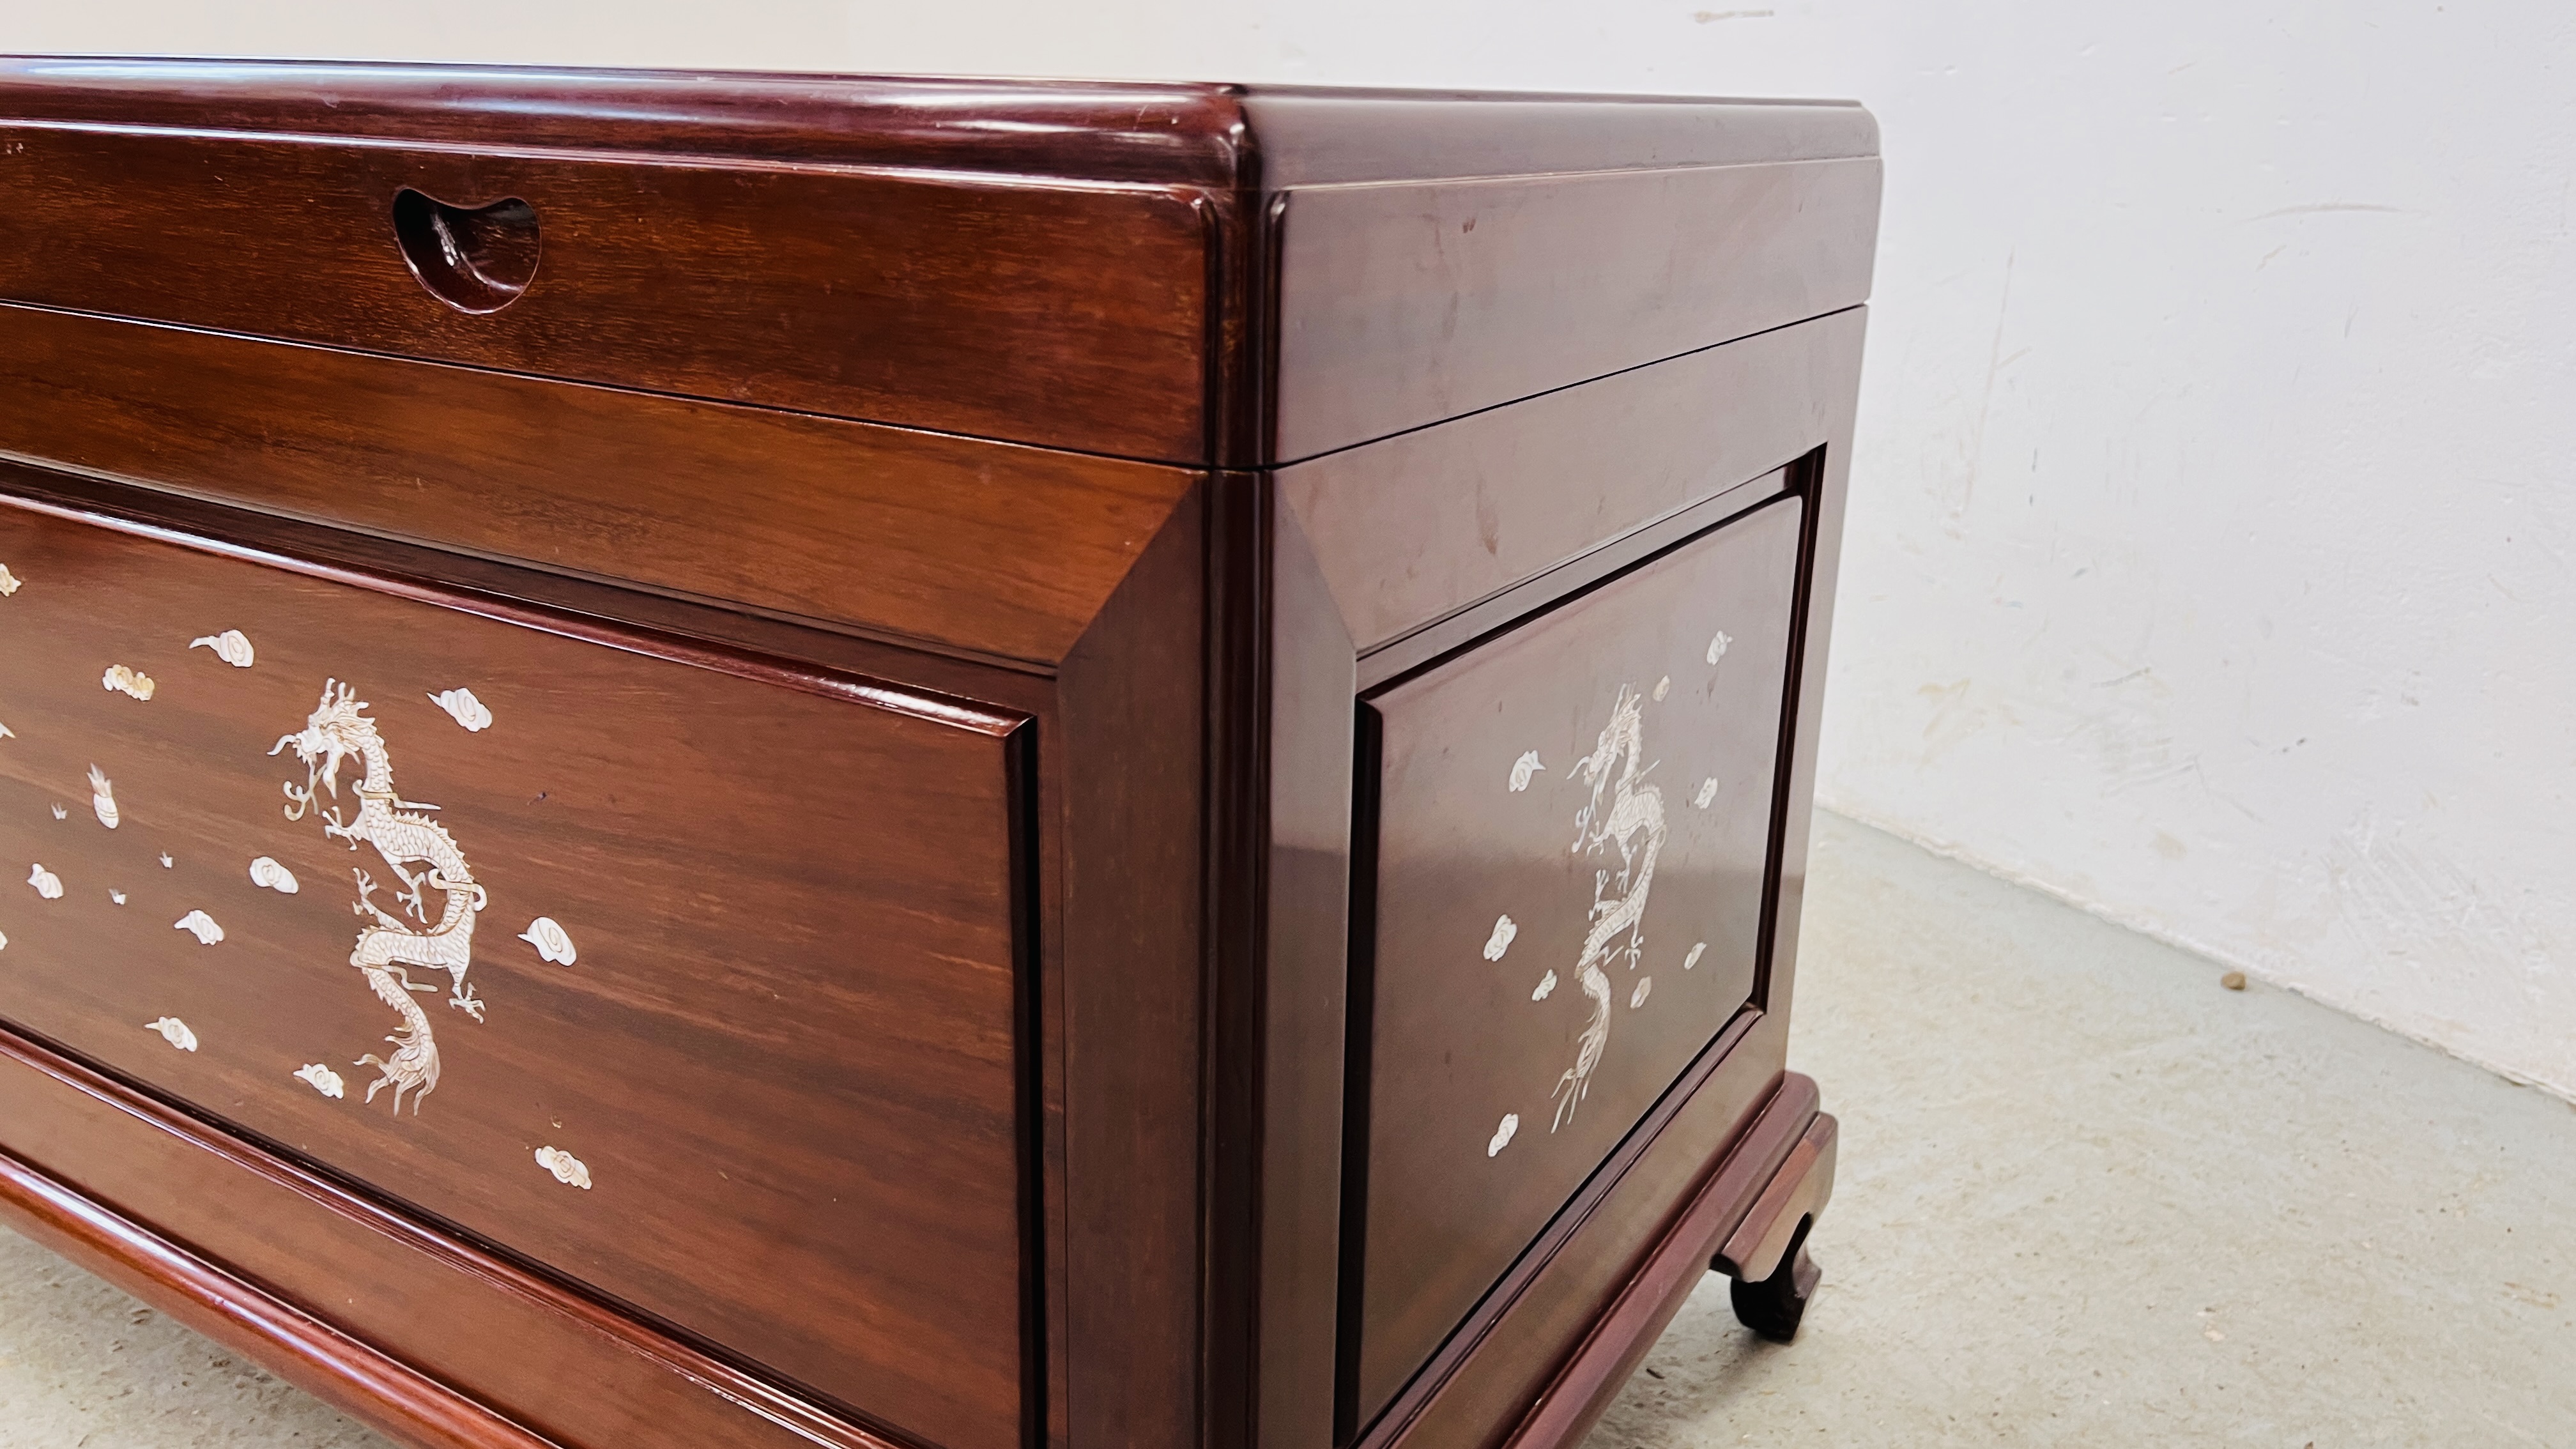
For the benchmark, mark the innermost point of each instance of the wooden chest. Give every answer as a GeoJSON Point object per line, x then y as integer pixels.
{"type": "Point", "coordinates": [773, 760]}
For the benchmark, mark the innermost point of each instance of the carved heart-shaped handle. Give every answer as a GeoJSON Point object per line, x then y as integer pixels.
{"type": "Point", "coordinates": [475, 259]}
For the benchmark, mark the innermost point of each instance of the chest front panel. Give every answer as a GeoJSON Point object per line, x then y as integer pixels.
{"type": "Point", "coordinates": [690, 979]}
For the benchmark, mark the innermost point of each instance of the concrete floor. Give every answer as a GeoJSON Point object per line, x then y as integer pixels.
{"type": "Point", "coordinates": [2087, 1197]}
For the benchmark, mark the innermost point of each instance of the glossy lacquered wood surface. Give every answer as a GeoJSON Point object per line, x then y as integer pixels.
{"type": "Point", "coordinates": [1200, 134]}
{"type": "Point", "coordinates": [1335, 135]}
{"type": "Point", "coordinates": [1502, 1355]}
{"type": "Point", "coordinates": [1125, 764]}
{"type": "Point", "coordinates": [1484, 1380]}
{"type": "Point", "coordinates": [1304, 991]}
{"type": "Point", "coordinates": [432, 1339]}
{"type": "Point", "coordinates": [727, 388]}
{"type": "Point", "coordinates": [987, 549]}
{"type": "Point", "coordinates": [1402, 305]}
{"type": "Point", "coordinates": [1150, 133]}
{"type": "Point", "coordinates": [1531, 1001]}
{"type": "Point", "coordinates": [786, 1053]}
{"type": "Point", "coordinates": [1411, 530]}
{"type": "Point", "coordinates": [1064, 316]}
{"type": "Point", "coordinates": [850, 245]}
{"type": "Point", "coordinates": [1772, 1156]}
{"type": "Point", "coordinates": [513, 591]}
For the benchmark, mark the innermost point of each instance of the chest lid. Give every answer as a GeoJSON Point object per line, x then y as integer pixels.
{"type": "Point", "coordinates": [1186, 273]}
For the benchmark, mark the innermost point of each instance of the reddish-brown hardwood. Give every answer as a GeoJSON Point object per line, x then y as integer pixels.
{"type": "Point", "coordinates": [428, 1336]}
{"type": "Point", "coordinates": [1404, 305]}
{"type": "Point", "coordinates": [1558, 990]}
{"type": "Point", "coordinates": [1423, 528]}
{"type": "Point", "coordinates": [996, 551]}
{"type": "Point", "coordinates": [1003, 605]}
{"type": "Point", "coordinates": [1175, 134]}
{"type": "Point", "coordinates": [1767, 1255]}
{"type": "Point", "coordinates": [841, 245]}
{"type": "Point", "coordinates": [929, 302]}
{"type": "Point", "coordinates": [380, 1390]}
{"type": "Point", "coordinates": [1130, 890]}
{"type": "Point", "coordinates": [1777, 1155]}
{"type": "Point", "coordinates": [784, 1051]}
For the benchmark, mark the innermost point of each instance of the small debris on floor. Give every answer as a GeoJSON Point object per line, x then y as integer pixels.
{"type": "Point", "coordinates": [2233, 980]}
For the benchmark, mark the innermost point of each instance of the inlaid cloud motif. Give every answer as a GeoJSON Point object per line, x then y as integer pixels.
{"type": "Point", "coordinates": [231, 646]}
{"type": "Point", "coordinates": [464, 708]}
{"type": "Point", "coordinates": [569, 1170]}
{"type": "Point", "coordinates": [552, 941]}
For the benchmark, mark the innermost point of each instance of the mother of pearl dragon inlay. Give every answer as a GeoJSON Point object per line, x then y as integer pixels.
{"type": "Point", "coordinates": [338, 731]}
{"type": "Point", "coordinates": [1634, 821]}
{"type": "Point", "coordinates": [1636, 809]}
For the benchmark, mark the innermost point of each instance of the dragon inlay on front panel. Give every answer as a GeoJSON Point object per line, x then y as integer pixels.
{"type": "Point", "coordinates": [403, 836]}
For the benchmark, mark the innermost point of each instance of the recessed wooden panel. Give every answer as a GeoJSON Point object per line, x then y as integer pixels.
{"type": "Point", "coordinates": [1573, 832]}
{"type": "Point", "coordinates": [1050, 314]}
{"type": "Point", "coordinates": [716, 965]}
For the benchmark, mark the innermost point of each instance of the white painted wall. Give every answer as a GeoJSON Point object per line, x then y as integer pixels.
{"type": "Point", "coordinates": [2210, 554]}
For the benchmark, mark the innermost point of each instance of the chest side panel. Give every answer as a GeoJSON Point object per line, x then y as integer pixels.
{"type": "Point", "coordinates": [694, 986]}
{"type": "Point", "coordinates": [1573, 833]}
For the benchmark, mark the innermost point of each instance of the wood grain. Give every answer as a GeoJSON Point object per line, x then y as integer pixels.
{"type": "Point", "coordinates": [1471, 1025]}
{"type": "Point", "coordinates": [981, 547]}
{"type": "Point", "coordinates": [682, 253]}
{"type": "Point", "coordinates": [339, 1277]}
{"type": "Point", "coordinates": [968, 691]}
{"type": "Point", "coordinates": [786, 1052]}
{"type": "Point", "coordinates": [959, 830]}
{"type": "Point", "coordinates": [1415, 528]}
{"type": "Point", "coordinates": [1057, 315]}
{"type": "Point", "coordinates": [1130, 788]}
{"type": "Point", "coordinates": [1402, 305]}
